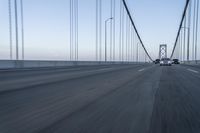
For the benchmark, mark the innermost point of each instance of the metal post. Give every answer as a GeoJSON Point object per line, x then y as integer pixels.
{"type": "Point", "coordinates": [16, 28]}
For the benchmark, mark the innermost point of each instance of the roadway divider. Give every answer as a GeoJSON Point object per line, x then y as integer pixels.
{"type": "Point", "coordinates": [13, 64]}
{"type": "Point", "coordinates": [193, 62]}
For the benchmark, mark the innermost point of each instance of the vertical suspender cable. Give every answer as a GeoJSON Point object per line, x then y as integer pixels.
{"type": "Point", "coordinates": [22, 27]}
{"type": "Point", "coordinates": [197, 22]}
{"type": "Point", "coordinates": [181, 44]}
{"type": "Point", "coordinates": [131, 42]}
{"type": "Point", "coordinates": [75, 30]}
{"type": "Point", "coordinates": [16, 28]}
{"type": "Point", "coordinates": [111, 28]}
{"type": "Point", "coordinates": [133, 38]}
{"type": "Point", "coordinates": [189, 24]}
{"type": "Point", "coordinates": [100, 30]}
{"type": "Point", "coordinates": [97, 28]}
{"type": "Point", "coordinates": [184, 39]}
{"type": "Point", "coordinates": [120, 32]}
{"type": "Point", "coordinates": [128, 32]}
{"type": "Point", "coordinates": [70, 30]}
{"type": "Point", "coordinates": [127, 37]}
{"type": "Point", "coordinates": [10, 27]}
{"type": "Point", "coordinates": [114, 11]}
{"type": "Point", "coordinates": [178, 48]}
{"type": "Point", "coordinates": [194, 26]}
{"type": "Point", "coordinates": [77, 25]}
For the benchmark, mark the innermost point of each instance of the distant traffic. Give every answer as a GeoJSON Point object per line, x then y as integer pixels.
{"type": "Point", "coordinates": [166, 61]}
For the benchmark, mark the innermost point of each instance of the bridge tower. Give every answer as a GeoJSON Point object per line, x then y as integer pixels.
{"type": "Point", "coordinates": [163, 51]}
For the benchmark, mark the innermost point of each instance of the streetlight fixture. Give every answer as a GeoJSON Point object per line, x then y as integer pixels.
{"type": "Point", "coordinates": [106, 37]}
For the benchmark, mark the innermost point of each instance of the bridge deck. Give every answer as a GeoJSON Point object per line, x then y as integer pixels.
{"type": "Point", "coordinates": [101, 99]}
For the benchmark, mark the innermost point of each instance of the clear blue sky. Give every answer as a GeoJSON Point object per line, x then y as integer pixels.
{"type": "Point", "coordinates": [47, 26]}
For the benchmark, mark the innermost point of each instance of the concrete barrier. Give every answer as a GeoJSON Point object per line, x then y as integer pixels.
{"type": "Point", "coordinates": [193, 62]}
{"type": "Point", "coordinates": [13, 64]}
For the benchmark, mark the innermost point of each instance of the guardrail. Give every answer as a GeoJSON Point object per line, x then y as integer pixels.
{"type": "Point", "coordinates": [192, 62]}
{"type": "Point", "coordinates": [9, 64]}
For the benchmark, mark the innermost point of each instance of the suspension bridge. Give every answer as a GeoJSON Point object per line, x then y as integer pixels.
{"type": "Point", "coordinates": [92, 72]}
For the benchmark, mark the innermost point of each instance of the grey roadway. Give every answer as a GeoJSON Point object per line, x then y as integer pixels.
{"type": "Point", "coordinates": [101, 99]}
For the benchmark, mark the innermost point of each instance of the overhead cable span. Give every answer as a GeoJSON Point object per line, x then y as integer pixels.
{"type": "Point", "coordinates": [180, 26]}
{"type": "Point", "coordinates": [133, 24]}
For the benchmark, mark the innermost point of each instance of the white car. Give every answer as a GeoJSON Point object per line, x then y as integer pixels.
{"type": "Point", "coordinates": [165, 62]}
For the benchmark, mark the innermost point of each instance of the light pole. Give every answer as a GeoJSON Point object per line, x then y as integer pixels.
{"type": "Point", "coordinates": [106, 38]}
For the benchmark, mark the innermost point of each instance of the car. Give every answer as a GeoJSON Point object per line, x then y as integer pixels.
{"type": "Point", "coordinates": [176, 61]}
{"type": "Point", "coordinates": [165, 62]}
{"type": "Point", "coordinates": [157, 61]}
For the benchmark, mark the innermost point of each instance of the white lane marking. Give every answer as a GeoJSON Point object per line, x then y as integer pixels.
{"type": "Point", "coordinates": [191, 70]}
{"type": "Point", "coordinates": [141, 70]}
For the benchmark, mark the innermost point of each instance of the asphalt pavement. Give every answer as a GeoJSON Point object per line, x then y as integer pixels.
{"type": "Point", "coordinates": [143, 98]}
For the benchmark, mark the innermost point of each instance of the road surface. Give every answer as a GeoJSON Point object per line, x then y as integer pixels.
{"type": "Point", "coordinates": [101, 99]}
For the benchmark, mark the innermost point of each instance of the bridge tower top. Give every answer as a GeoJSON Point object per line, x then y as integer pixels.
{"type": "Point", "coordinates": [163, 51]}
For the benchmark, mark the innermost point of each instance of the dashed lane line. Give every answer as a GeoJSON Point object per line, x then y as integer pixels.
{"type": "Point", "coordinates": [191, 70]}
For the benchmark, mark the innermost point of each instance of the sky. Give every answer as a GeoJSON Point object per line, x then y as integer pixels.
{"type": "Point", "coordinates": [46, 26]}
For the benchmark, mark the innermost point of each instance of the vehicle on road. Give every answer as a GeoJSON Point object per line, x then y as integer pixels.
{"type": "Point", "coordinates": [157, 61]}
{"type": "Point", "coordinates": [176, 61]}
{"type": "Point", "coordinates": [165, 62]}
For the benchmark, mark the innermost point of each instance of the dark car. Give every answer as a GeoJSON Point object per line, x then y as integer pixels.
{"type": "Point", "coordinates": [157, 61]}
{"type": "Point", "coordinates": [165, 62]}
{"type": "Point", "coordinates": [176, 61]}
